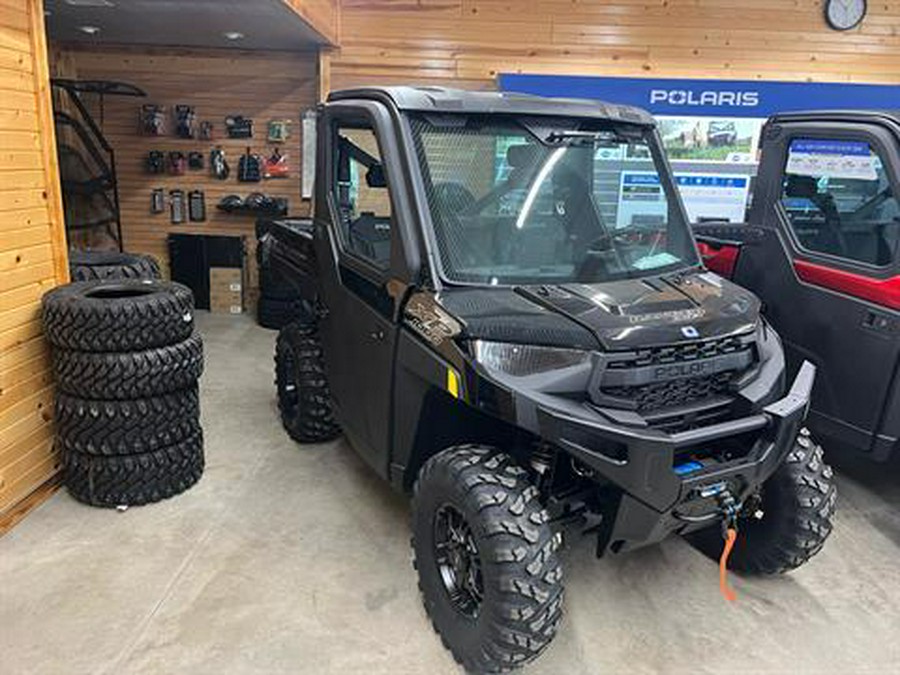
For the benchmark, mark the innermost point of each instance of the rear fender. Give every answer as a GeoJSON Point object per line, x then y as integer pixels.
{"type": "Point", "coordinates": [289, 248]}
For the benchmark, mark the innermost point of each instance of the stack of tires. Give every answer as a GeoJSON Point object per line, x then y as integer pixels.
{"type": "Point", "coordinates": [91, 265]}
{"type": "Point", "coordinates": [126, 361]}
{"type": "Point", "coordinates": [279, 303]}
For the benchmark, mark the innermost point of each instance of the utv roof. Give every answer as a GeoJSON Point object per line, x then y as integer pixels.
{"type": "Point", "coordinates": [442, 99]}
{"type": "Point", "coordinates": [838, 116]}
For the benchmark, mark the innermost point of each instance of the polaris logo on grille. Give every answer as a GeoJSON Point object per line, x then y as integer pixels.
{"type": "Point", "coordinates": [676, 370]}
{"type": "Point", "coordinates": [679, 370]}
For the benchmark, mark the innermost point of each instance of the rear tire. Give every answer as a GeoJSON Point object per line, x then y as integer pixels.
{"type": "Point", "coordinates": [486, 557]}
{"type": "Point", "coordinates": [790, 522]}
{"type": "Point", "coordinates": [304, 399]}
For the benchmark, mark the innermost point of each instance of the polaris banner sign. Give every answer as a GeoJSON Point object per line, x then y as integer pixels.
{"type": "Point", "coordinates": [706, 98]}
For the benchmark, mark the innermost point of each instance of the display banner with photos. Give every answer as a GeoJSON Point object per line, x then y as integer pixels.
{"type": "Point", "coordinates": [832, 159]}
{"type": "Point", "coordinates": [712, 127]}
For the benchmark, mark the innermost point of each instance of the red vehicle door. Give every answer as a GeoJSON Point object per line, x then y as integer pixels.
{"type": "Point", "coordinates": [826, 268]}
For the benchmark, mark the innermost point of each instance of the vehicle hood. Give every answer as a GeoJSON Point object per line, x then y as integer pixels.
{"type": "Point", "coordinates": [620, 315]}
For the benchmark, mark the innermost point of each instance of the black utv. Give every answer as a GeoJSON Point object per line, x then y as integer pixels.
{"type": "Point", "coordinates": [506, 325]}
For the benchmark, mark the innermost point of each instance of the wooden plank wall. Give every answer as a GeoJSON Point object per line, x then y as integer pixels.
{"type": "Point", "coordinates": [467, 42]}
{"type": "Point", "coordinates": [32, 253]}
{"type": "Point", "coordinates": [260, 85]}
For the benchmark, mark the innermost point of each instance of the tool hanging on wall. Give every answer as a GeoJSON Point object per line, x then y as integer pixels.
{"type": "Point", "coordinates": [279, 131]}
{"type": "Point", "coordinates": [276, 166]}
{"type": "Point", "coordinates": [249, 168]}
{"type": "Point", "coordinates": [185, 121]}
{"type": "Point", "coordinates": [218, 166]}
{"type": "Point", "coordinates": [206, 131]}
{"type": "Point", "coordinates": [196, 206]}
{"type": "Point", "coordinates": [157, 201]}
{"type": "Point", "coordinates": [176, 206]}
{"type": "Point", "coordinates": [195, 160]}
{"type": "Point", "coordinates": [177, 163]}
{"type": "Point", "coordinates": [153, 119]}
{"type": "Point", "coordinates": [155, 162]}
{"type": "Point", "coordinates": [239, 127]}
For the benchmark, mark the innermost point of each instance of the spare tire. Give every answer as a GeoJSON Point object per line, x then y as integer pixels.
{"type": "Point", "coordinates": [118, 316]}
{"type": "Point", "coordinates": [132, 480]}
{"type": "Point", "coordinates": [128, 375]}
{"type": "Point", "coordinates": [126, 427]}
{"type": "Point", "coordinates": [90, 265]}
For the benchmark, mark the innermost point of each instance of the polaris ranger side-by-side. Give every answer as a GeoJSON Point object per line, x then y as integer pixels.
{"type": "Point", "coordinates": [507, 328]}
{"type": "Point", "coordinates": [821, 252]}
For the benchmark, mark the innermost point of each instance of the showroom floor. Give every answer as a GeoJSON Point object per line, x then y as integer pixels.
{"type": "Point", "coordinates": [288, 559]}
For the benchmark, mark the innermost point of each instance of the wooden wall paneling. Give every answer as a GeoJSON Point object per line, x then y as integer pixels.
{"type": "Point", "coordinates": [324, 73]}
{"type": "Point", "coordinates": [218, 83]}
{"type": "Point", "coordinates": [32, 254]}
{"type": "Point", "coordinates": [47, 129]}
{"type": "Point", "coordinates": [468, 42]}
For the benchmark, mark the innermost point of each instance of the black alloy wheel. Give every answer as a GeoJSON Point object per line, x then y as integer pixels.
{"type": "Point", "coordinates": [458, 561]}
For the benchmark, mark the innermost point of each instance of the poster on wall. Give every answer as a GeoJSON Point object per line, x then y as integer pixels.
{"type": "Point", "coordinates": [712, 127]}
{"type": "Point", "coordinates": [706, 197]}
{"type": "Point", "coordinates": [728, 140]}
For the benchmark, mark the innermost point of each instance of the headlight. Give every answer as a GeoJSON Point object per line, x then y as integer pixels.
{"type": "Point", "coordinates": [520, 360]}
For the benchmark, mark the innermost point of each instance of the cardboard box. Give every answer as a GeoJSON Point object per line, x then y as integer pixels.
{"type": "Point", "coordinates": [226, 290]}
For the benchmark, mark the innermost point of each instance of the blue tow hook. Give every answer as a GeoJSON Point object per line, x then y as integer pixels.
{"type": "Point", "coordinates": [688, 468]}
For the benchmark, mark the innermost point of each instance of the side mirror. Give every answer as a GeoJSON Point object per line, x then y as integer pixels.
{"type": "Point", "coordinates": [375, 176]}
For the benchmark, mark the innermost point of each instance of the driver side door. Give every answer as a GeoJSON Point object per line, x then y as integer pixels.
{"type": "Point", "coordinates": [359, 233]}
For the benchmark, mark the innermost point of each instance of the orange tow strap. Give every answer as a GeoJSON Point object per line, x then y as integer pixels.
{"type": "Point", "coordinates": [727, 592]}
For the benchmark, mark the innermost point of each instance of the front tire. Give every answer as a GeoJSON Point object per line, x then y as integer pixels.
{"type": "Point", "coordinates": [486, 557]}
{"type": "Point", "coordinates": [789, 522]}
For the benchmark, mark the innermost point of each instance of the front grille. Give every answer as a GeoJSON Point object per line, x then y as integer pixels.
{"type": "Point", "coordinates": [681, 353]}
{"type": "Point", "coordinates": [634, 381]}
{"type": "Point", "coordinates": [649, 397]}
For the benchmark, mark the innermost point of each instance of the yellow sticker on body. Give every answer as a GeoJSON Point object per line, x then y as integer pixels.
{"type": "Point", "coordinates": [452, 383]}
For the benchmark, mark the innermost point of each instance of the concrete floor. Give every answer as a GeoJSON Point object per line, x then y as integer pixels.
{"type": "Point", "coordinates": [288, 559]}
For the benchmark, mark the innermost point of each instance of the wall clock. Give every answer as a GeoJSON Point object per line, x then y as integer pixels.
{"type": "Point", "coordinates": [845, 14]}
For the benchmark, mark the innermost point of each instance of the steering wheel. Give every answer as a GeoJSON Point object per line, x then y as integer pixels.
{"type": "Point", "coordinates": [593, 260]}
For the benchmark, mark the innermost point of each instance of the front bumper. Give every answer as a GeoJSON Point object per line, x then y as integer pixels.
{"type": "Point", "coordinates": [657, 501]}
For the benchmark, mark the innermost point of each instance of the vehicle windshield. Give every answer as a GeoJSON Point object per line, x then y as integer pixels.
{"type": "Point", "coordinates": [544, 200]}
